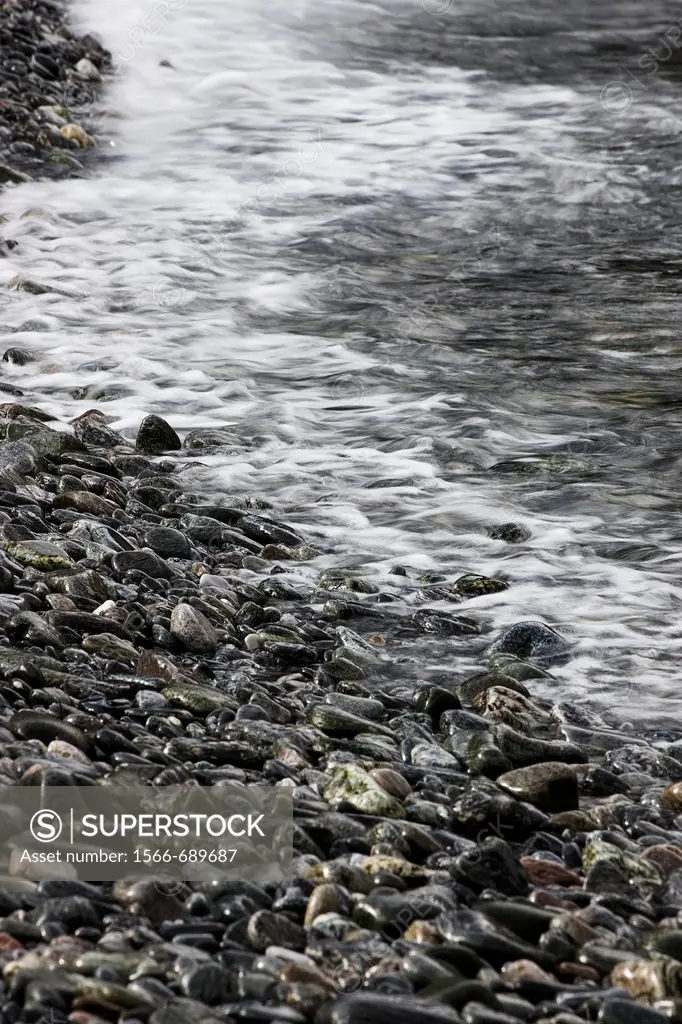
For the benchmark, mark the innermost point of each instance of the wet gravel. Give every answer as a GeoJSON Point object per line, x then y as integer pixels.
{"type": "Point", "coordinates": [464, 851]}
{"type": "Point", "coordinates": [49, 80]}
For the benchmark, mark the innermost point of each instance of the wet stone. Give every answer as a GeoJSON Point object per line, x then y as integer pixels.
{"type": "Point", "coordinates": [156, 436]}
{"type": "Point", "coordinates": [145, 561]}
{"type": "Point", "coordinates": [648, 981]}
{"type": "Point", "coordinates": [551, 786]}
{"type": "Point", "coordinates": [470, 586]}
{"type": "Point", "coordinates": [350, 784]}
{"type": "Point", "coordinates": [635, 758]}
{"type": "Point", "coordinates": [110, 646]}
{"type": "Point", "coordinates": [87, 622]}
{"type": "Point", "coordinates": [430, 620]}
{"type": "Point", "coordinates": [324, 899]}
{"type": "Point", "coordinates": [671, 797]}
{"type": "Point", "coordinates": [30, 627]}
{"type": "Point", "coordinates": [365, 707]}
{"type": "Point", "coordinates": [42, 726]}
{"type": "Point", "coordinates": [434, 700]}
{"type": "Point", "coordinates": [193, 630]}
{"type": "Point", "coordinates": [491, 864]}
{"type": "Point", "coordinates": [38, 554]}
{"type": "Point", "coordinates": [623, 1011]}
{"type": "Point", "coordinates": [478, 752]}
{"type": "Point", "coordinates": [512, 533]}
{"type": "Point", "coordinates": [503, 704]}
{"type": "Point", "coordinates": [470, 689]}
{"type": "Point", "coordinates": [482, 808]}
{"type": "Point", "coordinates": [266, 532]}
{"type": "Point", "coordinates": [481, 1013]}
{"type": "Point", "coordinates": [97, 434]}
{"type": "Point", "coordinates": [496, 944]}
{"type": "Point", "coordinates": [207, 983]}
{"type": "Point", "coordinates": [202, 700]}
{"type": "Point", "coordinates": [337, 721]}
{"type": "Point", "coordinates": [525, 920]}
{"type": "Point", "coordinates": [392, 913]}
{"type": "Point", "coordinates": [668, 858]}
{"type": "Point", "coordinates": [268, 929]}
{"type": "Point", "coordinates": [392, 782]}
{"type": "Point", "coordinates": [524, 751]}
{"type": "Point", "coordinates": [167, 542]}
{"type": "Point", "coordinates": [85, 501]}
{"type": "Point", "coordinates": [529, 640]}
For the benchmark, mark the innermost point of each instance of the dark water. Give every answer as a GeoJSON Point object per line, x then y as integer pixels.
{"type": "Point", "coordinates": [424, 262]}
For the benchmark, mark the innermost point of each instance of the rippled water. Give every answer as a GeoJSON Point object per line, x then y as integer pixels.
{"type": "Point", "coordinates": [423, 261]}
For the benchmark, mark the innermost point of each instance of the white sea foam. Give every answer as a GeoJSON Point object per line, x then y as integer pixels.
{"type": "Point", "coordinates": [210, 263]}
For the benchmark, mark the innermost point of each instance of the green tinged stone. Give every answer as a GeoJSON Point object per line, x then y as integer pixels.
{"type": "Point", "coordinates": [597, 849]}
{"type": "Point", "coordinates": [470, 586]}
{"type": "Point", "coordinates": [199, 699]}
{"type": "Point", "coordinates": [516, 668]}
{"type": "Point", "coordinates": [344, 723]}
{"type": "Point", "coordinates": [352, 784]}
{"type": "Point", "coordinates": [38, 554]}
{"type": "Point", "coordinates": [337, 579]}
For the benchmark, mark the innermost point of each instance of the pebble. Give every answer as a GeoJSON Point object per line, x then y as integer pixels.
{"type": "Point", "coordinates": [38, 554]}
{"type": "Point", "coordinates": [156, 436]}
{"type": "Point", "coordinates": [529, 640]}
{"type": "Point", "coordinates": [622, 1011]}
{"type": "Point", "coordinates": [350, 784]}
{"type": "Point", "coordinates": [268, 929]}
{"type": "Point", "coordinates": [193, 630]}
{"type": "Point", "coordinates": [551, 786]}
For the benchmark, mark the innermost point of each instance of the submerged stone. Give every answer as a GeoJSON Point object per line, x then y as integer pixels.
{"type": "Point", "coordinates": [529, 640]}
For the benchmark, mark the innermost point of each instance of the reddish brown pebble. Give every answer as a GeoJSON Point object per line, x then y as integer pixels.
{"type": "Point", "coordinates": [95, 415]}
{"type": "Point", "coordinates": [547, 872]}
{"type": "Point", "coordinates": [576, 928]}
{"type": "Point", "coordinates": [516, 971]}
{"type": "Point", "coordinates": [303, 974]}
{"type": "Point", "coordinates": [668, 858]}
{"type": "Point", "coordinates": [542, 898]}
{"type": "Point", "coordinates": [392, 782]}
{"type": "Point", "coordinates": [8, 942]}
{"type": "Point", "coordinates": [583, 971]}
{"type": "Point", "coordinates": [12, 411]}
